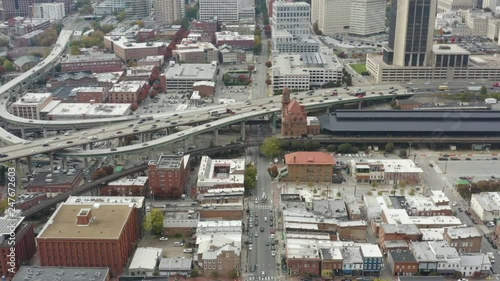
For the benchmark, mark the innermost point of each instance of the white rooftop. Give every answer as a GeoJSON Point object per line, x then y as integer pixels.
{"type": "Point", "coordinates": [370, 251]}
{"type": "Point", "coordinates": [432, 234]}
{"type": "Point", "coordinates": [145, 258]}
{"type": "Point", "coordinates": [32, 98]}
{"type": "Point", "coordinates": [139, 181]}
{"type": "Point", "coordinates": [138, 201]}
{"type": "Point", "coordinates": [232, 36]}
{"type": "Point", "coordinates": [489, 201]}
{"type": "Point", "coordinates": [215, 172]}
{"type": "Point", "coordinates": [88, 110]}
{"type": "Point", "coordinates": [127, 86]}
{"type": "Point", "coordinates": [191, 71]}
{"type": "Point", "coordinates": [462, 232]}
{"type": "Point", "coordinates": [124, 43]}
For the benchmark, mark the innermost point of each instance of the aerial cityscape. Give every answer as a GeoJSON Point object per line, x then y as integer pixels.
{"type": "Point", "coordinates": [248, 140]}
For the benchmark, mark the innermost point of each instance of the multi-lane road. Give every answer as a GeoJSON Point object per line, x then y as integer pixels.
{"type": "Point", "coordinates": [260, 107]}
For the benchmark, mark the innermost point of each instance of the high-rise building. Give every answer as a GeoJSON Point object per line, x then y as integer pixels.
{"type": "Point", "coordinates": [293, 17]}
{"type": "Point", "coordinates": [411, 32]}
{"type": "Point", "coordinates": [367, 17]}
{"type": "Point", "coordinates": [16, 8]}
{"type": "Point", "coordinates": [52, 11]}
{"type": "Point", "coordinates": [135, 9]}
{"type": "Point", "coordinates": [168, 175]}
{"type": "Point", "coordinates": [169, 11]}
{"type": "Point", "coordinates": [222, 10]}
{"type": "Point", "coordinates": [332, 16]}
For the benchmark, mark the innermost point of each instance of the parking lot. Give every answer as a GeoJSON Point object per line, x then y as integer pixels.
{"type": "Point", "coordinates": [169, 250]}
{"type": "Point", "coordinates": [169, 103]}
{"type": "Point", "coordinates": [479, 168]}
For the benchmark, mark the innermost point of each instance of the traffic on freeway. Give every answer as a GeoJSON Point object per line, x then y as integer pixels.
{"type": "Point", "coordinates": [242, 111]}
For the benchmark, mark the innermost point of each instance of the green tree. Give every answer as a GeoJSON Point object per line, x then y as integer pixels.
{"type": "Point", "coordinates": [194, 273]}
{"type": "Point", "coordinates": [403, 153]}
{"type": "Point", "coordinates": [316, 29]}
{"type": "Point", "coordinates": [4, 42]}
{"type": "Point", "coordinates": [331, 148]}
{"type": "Point", "coordinates": [273, 171]}
{"type": "Point", "coordinates": [271, 148]}
{"type": "Point", "coordinates": [192, 12]}
{"type": "Point", "coordinates": [483, 90]}
{"type": "Point", "coordinates": [139, 23]}
{"type": "Point", "coordinates": [154, 222]}
{"type": "Point", "coordinates": [74, 50]}
{"type": "Point", "coordinates": [389, 147]}
{"type": "Point", "coordinates": [121, 16]}
{"type": "Point", "coordinates": [249, 178]}
{"type": "Point", "coordinates": [8, 65]}
{"type": "Point", "coordinates": [344, 148]}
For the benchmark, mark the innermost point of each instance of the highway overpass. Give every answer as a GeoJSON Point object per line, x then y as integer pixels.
{"type": "Point", "coordinates": [260, 107]}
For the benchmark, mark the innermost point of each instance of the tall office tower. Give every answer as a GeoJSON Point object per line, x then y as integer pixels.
{"type": "Point", "coordinates": [169, 11]}
{"type": "Point", "coordinates": [53, 11]}
{"type": "Point", "coordinates": [367, 17]}
{"type": "Point", "coordinates": [16, 8]}
{"type": "Point", "coordinates": [411, 31]}
{"type": "Point", "coordinates": [293, 17]}
{"type": "Point", "coordinates": [137, 9]}
{"type": "Point", "coordinates": [332, 16]}
{"type": "Point", "coordinates": [223, 10]}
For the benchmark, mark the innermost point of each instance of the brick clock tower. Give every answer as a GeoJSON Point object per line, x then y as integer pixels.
{"type": "Point", "coordinates": [285, 100]}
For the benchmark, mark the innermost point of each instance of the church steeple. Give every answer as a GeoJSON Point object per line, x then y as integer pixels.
{"type": "Point", "coordinates": [285, 100]}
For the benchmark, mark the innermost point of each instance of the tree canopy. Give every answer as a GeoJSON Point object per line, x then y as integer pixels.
{"type": "Point", "coordinates": [250, 174]}
{"type": "Point", "coordinates": [154, 222]}
{"type": "Point", "coordinates": [271, 147]}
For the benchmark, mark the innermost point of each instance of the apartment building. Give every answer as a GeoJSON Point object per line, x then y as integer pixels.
{"type": "Point", "coordinates": [168, 175]}
{"type": "Point", "coordinates": [455, 5]}
{"type": "Point", "coordinates": [206, 29]}
{"type": "Point", "coordinates": [30, 105]}
{"type": "Point", "coordinates": [96, 63]}
{"type": "Point", "coordinates": [222, 10]}
{"type": "Point", "coordinates": [486, 205]}
{"type": "Point", "coordinates": [402, 263]}
{"type": "Point", "coordinates": [477, 21]}
{"type": "Point", "coordinates": [397, 232]}
{"type": "Point", "coordinates": [309, 166]}
{"type": "Point", "coordinates": [89, 94]}
{"type": "Point", "coordinates": [169, 11]}
{"type": "Point", "coordinates": [234, 39]}
{"type": "Point", "coordinates": [386, 171]}
{"type": "Point", "coordinates": [51, 11]}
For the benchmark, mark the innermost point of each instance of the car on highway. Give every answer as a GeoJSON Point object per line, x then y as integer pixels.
{"type": "Point", "coordinates": [163, 239]}
{"type": "Point", "coordinates": [4, 155]}
{"type": "Point", "coordinates": [113, 149]}
{"type": "Point", "coordinates": [181, 134]}
{"type": "Point", "coordinates": [45, 145]}
{"type": "Point", "coordinates": [262, 229]}
{"type": "Point", "coordinates": [67, 134]}
{"type": "Point", "coordinates": [145, 144]}
{"type": "Point", "coordinates": [208, 125]}
{"type": "Point", "coordinates": [460, 209]}
{"type": "Point", "coordinates": [27, 142]}
{"type": "Point", "coordinates": [119, 132]}
{"type": "Point", "coordinates": [256, 234]}
{"type": "Point", "coordinates": [273, 253]}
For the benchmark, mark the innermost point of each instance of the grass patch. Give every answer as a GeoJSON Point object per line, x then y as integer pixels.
{"type": "Point", "coordinates": [359, 67]}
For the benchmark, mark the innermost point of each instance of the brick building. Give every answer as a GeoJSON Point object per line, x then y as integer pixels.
{"type": "Point", "coordinates": [225, 211]}
{"type": "Point", "coordinates": [302, 257]}
{"type": "Point", "coordinates": [132, 92]}
{"type": "Point", "coordinates": [28, 200]}
{"type": "Point", "coordinates": [129, 50]}
{"type": "Point", "coordinates": [13, 225]}
{"type": "Point", "coordinates": [94, 62]}
{"type": "Point", "coordinates": [150, 73]}
{"type": "Point", "coordinates": [393, 171]}
{"type": "Point", "coordinates": [309, 166]}
{"type": "Point", "coordinates": [90, 94]}
{"type": "Point", "coordinates": [408, 104]}
{"type": "Point", "coordinates": [126, 187]}
{"type": "Point", "coordinates": [97, 235]}
{"type": "Point", "coordinates": [168, 175]}
{"type": "Point", "coordinates": [30, 105]}
{"type": "Point", "coordinates": [234, 39]}
{"type": "Point", "coordinates": [402, 263]}
{"type": "Point", "coordinates": [294, 120]}
{"type": "Point", "coordinates": [195, 52]}
{"type": "Point", "coordinates": [204, 88]}
{"type": "Point", "coordinates": [151, 60]}
{"type": "Point", "coordinates": [398, 232]}
{"type": "Point", "coordinates": [55, 183]}
{"type": "Point", "coordinates": [26, 273]}
{"type": "Point", "coordinates": [72, 79]}
{"type": "Point", "coordinates": [464, 239]}
{"type": "Point", "coordinates": [222, 261]}
{"type": "Point", "coordinates": [206, 29]}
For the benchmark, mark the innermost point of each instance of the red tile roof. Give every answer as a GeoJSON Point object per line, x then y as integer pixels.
{"type": "Point", "coordinates": [309, 157]}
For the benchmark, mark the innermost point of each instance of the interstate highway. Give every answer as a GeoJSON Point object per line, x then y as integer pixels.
{"type": "Point", "coordinates": [245, 112]}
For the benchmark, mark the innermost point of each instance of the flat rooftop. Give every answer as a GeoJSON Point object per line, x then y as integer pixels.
{"type": "Point", "coordinates": [191, 71]}
{"type": "Point", "coordinates": [169, 162]}
{"type": "Point", "coordinates": [90, 57]}
{"type": "Point", "coordinates": [125, 43]}
{"type": "Point", "coordinates": [88, 109]}
{"type": "Point", "coordinates": [490, 201]}
{"type": "Point", "coordinates": [36, 273]}
{"type": "Point", "coordinates": [137, 201]}
{"type": "Point", "coordinates": [408, 121]}
{"type": "Point", "coordinates": [449, 49]}
{"type": "Point", "coordinates": [108, 223]}
{"type": "Point", "coordinates": [32, 98]}
{"type": "Point", "coordinates": [56, 178]}
{"type": "Point", "coordinates": [127, 86]}
{"type": "Point", "coordinates": [139, 181]}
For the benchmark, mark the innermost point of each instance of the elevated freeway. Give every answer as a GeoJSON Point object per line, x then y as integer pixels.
{"type": "Point", "coordinates": [261, 107]}
{"type": "Point", "coordinates": [16, 84]}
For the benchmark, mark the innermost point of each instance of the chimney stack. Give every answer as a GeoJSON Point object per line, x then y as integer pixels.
{"type": "Point", "coordinates": [84, 216]}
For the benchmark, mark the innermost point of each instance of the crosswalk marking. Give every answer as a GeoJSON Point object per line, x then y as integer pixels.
{"type": "Point", "coordinates": [262, 206]}
{"type": "Point", "coordinates": [256, 278]}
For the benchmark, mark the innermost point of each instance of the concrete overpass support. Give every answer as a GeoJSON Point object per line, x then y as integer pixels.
{"type": "Point", "coordinates": [64, 163]}
{"type": "Point", "coordinates": [84, 147]}
{"type": "Point", "coordinates": [19, 174]}
{"type": "Point", "coordinates": [121, 141]}
{"type": "Point", "coordinates": [23, 134]}
{"type": "Point", "coordinates": [28, 162]}
{"type": "Point", "coordinates": [45, 133]}
{"type": "Point", "coordinates": [216, 137]}
{"type": "Point", "coordinates": [360, 104]}
{"type": "Point", "coordinates": [274, 119]}
{"type": "Point", "coordinates": [51, 160]}
{"type": "Point", "coordinates": [86, 162]}
{"type": "Point", "coordinates": [243, 132]}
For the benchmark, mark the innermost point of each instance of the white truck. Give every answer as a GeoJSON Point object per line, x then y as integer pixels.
{"type": "Point", "coordinates": [217, 112]}
{"type": "Point", "coordinates": [491, 256]}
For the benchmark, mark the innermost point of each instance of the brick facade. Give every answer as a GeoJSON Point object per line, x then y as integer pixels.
{"type": "Point", "coordinates": [25, 248]}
